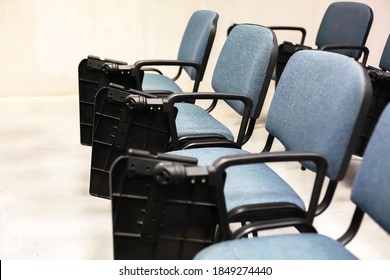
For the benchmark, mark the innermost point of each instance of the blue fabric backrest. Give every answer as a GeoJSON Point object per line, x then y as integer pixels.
{"type": "Point", "coordinates": [316, 105]}
{"type": "Point", "coordinates": [345, 23]}
{"type": "Point", "coordinates": [385, 58]}
{"type": "Point", "coordinates": [371, 188]}
{"type": "Point", "coordinates": [196, 36]}
{"type": "Point", "coordinates": [243, 63]}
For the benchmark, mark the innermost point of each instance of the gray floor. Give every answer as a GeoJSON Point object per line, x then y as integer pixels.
{"type": "Point", "coordinates": [47, 213]}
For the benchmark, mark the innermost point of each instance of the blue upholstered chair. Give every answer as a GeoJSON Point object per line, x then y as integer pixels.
{"type": "Point", "coordinates": [345, 24]}
{"type": "Point", "coordinates": [344, 29]}
{"type": "Point", "coordinates": [318, 108]}
{"type": "Point", "coordinates": [193, 55]}
{"type": "Point", "coordinates": [241, 78]}
{"type": "Point", "coordinates": [370, 194]}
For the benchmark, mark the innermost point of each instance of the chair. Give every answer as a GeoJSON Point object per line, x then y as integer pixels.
{"type": "Point", "coordinates": [344, 29]}
{"type": "Point", "coordinates": [317, 122]}
{"type": "Point", "coordinates": [241, 78]}
{"type": "Point", "coordinates": [380, 79]}
{"type": "Point", "coordinates": [370, 194]}
{"type": "Point", "coordinates": [242, 74]}
{"type": "Point", "coordinates": [193, 55]}
{"type": "Point", "coordinates": [95, 73]}
{"type": "Point", "coordinates": [323, 116]}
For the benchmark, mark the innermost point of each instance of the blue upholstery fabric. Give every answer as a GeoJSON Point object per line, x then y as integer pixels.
{"type": "Point", "coordinates": [243, 63]}
{"type": "Point", "coordinates": [385, 58]}
{"type": "Point", "coordinates": [311, 113]}
{"type": "Point", "coordinates": [246, 184]}
{"type": "Point", "coordinates": [345, 23]}
{"type": "Point", "coordinates": [192, 120]}
{"type": "Point", "coordinates": [371, 189]}
{"type": "Point", "coordinates": [159, 82]}
{"type": "Point", "coordinates": [305, 246]}
{"type": "Point", "coordinates": [195, 38]}
{"type": "Point", "coordinates": [241, 69]}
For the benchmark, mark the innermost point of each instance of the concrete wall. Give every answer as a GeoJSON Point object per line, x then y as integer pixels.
{"type": "Point", "coordinates": [42, 41]}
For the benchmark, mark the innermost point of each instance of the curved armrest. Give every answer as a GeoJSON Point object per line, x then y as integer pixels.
{"type": "Point", "coordinates": [173, 98]}
{"type": "Point", "coordinates": [165, 62]}
{"type": "Point", "coordinates": [272, 224]}
{"type": "Point", "coordinates": [291, 28]}
{"type": "Point", "coordinates": [151, 69]}
{"type": "Point", "coordinates": [364, 49]}
{"type": "Point", "coordinates": [223, 163]}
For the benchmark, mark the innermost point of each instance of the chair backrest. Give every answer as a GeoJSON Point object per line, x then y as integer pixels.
{"type": "Point", "coordinates": [371, 188]}
{"type": "Point", "coordinates": [198, 39]}
{"type": "Point", "coordinates": [320, 109]}
{"type": "Point", "coordinates": [245, 65]}
{"type": "Point", "coordinates": [385, 58]}
{"type": "Point", "coordinates": [345, 23]}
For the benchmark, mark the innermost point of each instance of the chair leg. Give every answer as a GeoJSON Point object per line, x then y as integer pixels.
{"type": "Point", "coordinates": [324, 204]}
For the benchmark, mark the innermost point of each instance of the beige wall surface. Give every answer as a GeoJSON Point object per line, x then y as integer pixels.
{"type": "Point", "coordinates": [42, 41]}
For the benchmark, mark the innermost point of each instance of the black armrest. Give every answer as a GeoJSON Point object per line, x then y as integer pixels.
{"type": "Point", "coordinates": [364, 49]}
{"type": "Point", "coordinates": [321, 168]}
{"type": "Point", "coordinates": [273, 224]}
{"type": "Point", "coordinates": [215, 96]}
{"type": "Point", "coordinates": [141, 63]}
{"type": "Point", "coordinates": [152, 70]}
{"type": "Point", "coordinates": [291, 28]}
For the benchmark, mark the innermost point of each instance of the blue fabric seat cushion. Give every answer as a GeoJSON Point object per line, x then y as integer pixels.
{"type": "Point", "coordinates": [192, 119]}
{"type": "Point", "coordinates": [159, 82]}
{"type": "Point", "coordinates": [304, 246]}
{"type": "Point", "coordinates": [246, 184]}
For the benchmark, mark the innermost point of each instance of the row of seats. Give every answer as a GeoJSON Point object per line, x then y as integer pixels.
{"type": "Point", "coordinates": [178, 177]}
